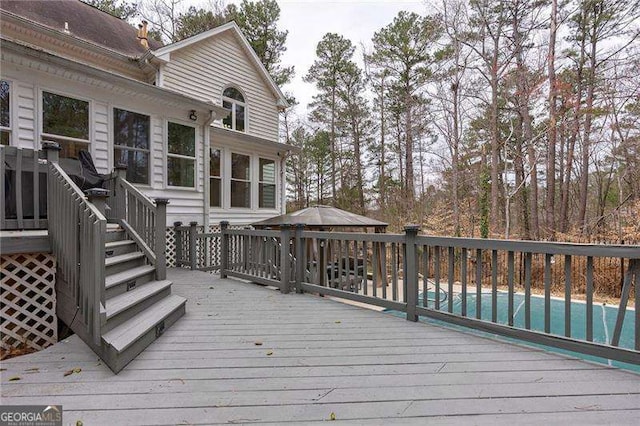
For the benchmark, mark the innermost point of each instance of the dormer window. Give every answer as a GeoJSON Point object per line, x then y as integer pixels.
{"type": "Point", "coordinates": [233, 100]}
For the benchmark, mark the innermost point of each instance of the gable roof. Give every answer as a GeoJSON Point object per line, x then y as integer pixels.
{"type": "Point", "coordinates": [164, 53]}
{"type": "Point", "coordinates": [84, 22]}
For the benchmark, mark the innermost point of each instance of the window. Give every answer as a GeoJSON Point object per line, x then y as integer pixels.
{"type": "Point", "coordinates": [66, 121]}
{"type": "Point", "coordinates": [267, 184]}
{"type": "Point", "coordinates": [215, 179]}
{"type": "Point", "coordinates": [5, 113]}
{"type": "Point", "coordinates": [233, 100]}
{"type": "Point", "coordinates": [181, 158]}
{"type": "Point", "coordinates": [240, 180]}
{"type": "Point", "coordinates": [131, 144]}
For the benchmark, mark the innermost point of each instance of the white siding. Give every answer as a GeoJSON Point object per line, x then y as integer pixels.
{"type": "Point", "coordinates": [29, 78]}
{"type": "Point", "coordinates": [205, 69]}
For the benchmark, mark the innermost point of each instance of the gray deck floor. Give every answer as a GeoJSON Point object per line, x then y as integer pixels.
{"type": "Point", "coordinates": [317, 357]}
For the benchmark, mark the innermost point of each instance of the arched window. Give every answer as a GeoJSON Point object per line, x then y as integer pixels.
{"type": "Point", "coordinates": [233, 100]}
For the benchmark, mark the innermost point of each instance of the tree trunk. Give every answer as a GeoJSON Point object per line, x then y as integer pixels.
{"type": "Point", "coordinates": [584, 177]}
{"type": "Point", "coordinates": [552, 130]}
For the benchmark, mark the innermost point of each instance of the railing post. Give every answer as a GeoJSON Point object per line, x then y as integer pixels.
{"type": "Point", "coordinates": [161, 238]}
{"type": "Point", "coordinates": [120, 200]}
{"type": "Point", "coordinates": [299, 264]}
{"type": "Point", "coordinates": [98, 197]}
{"type": "Point", "coordinates": [120, 170]}
{"type": "Point", "coordinates": [285, 273]}
{"type": "Point", "coordinates": [178, 236]}
{"type": "Point", "coordinates": [52, 150]}
{"type": "Point", "coordinates": [224, 249]}
{"type": "Point", "coordinates": [411, 273]}
{"type": "Point", "coordinates": [193, 259]}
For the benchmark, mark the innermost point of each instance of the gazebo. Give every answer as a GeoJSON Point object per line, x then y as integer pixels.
{"type": "Point", "coordinates": [323, 218]}
{"type": "Point", "coordinates": [326, 218]}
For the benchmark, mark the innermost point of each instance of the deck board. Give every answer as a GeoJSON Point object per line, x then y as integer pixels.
{"type": "Point", "coordinates": [317, 356]}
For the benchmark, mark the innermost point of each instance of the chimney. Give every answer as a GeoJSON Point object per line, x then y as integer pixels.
{"type": "Point", "coordinates": [142, 34]}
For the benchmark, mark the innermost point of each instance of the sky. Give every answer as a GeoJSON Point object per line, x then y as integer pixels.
{"type": "Point", "coordinates": [307, 21]}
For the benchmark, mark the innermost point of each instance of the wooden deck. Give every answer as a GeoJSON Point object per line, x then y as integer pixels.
{"type": "Point", "coordinates": [245, 353]}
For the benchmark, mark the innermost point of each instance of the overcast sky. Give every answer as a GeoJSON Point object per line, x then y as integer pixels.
{"type": "Point", "coordinates": [307, 21]}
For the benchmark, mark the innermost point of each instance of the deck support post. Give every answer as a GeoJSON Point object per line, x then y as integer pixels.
{"type": "Point", "coordinates": [300, 260]}
{"type": "Point", "coordinates": [411, 272]}
{"type": "Point", "coordinates": [161, 238]}
{"type": "Point", "coordinates": [285, 265]}
{"type": "Point", "coordinates": [193, 259]}
{"type": "Point", "coordinates": [224, 249]}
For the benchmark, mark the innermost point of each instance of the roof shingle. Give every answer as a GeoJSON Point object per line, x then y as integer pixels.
{"type": "Point", "coordinates": [85, 22]}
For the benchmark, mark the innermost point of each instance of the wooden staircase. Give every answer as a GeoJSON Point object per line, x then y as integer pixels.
{"type": "Point", "coordinates": [111, 264]}
{"type": "Point", "coordinates": [139, 307]}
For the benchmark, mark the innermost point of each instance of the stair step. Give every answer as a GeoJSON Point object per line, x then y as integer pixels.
{"type": "Point", "coordinates": [115, 248]}
{"type": "Point", "coordinates": [128, 275]}
{"type": "Point", "coordinates": [124, 301]}
{"type": "Point", "coordinates": [114, 260]}
{"type": "Point", "coordinates": [115, 235]}
{"type": "Point", "coordinates": [115, 244]}
{"type": "Point", "coordinates": [126, 334]}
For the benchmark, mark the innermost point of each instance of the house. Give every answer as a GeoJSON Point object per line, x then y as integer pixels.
{"type": "Point", "coordinates": [196, 121]}
{"type": "Point", "coordinates": [196, 125]}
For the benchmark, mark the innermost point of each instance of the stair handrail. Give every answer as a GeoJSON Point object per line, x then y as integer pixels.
{"type": "Point", "coordinates": [77, 230]}
{"type": "Point", "coordinates": [143, 218]}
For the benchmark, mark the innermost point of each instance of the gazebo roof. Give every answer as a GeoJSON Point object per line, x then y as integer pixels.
{"type": "Point", "coordinates": [321, 217]}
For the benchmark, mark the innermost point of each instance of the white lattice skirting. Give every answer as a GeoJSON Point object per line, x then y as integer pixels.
{"type": "Point", "coordinates": [28, 300]}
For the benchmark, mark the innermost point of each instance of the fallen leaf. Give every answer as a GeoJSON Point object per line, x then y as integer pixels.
{"type": "Point", "coordinates": [73, 370]}
{"type": "Point", "coordinates": [332, 416]}
{"type": "Point", "coordinates": [210, 288]}
{"type": "Point", "coordinates": [14, 379]}
{"type": "Point", "coordinates": [338, 322]}
{"type": "Point", "coordinates": [33, 370]}
{"type": "Point", "coordinates": [79, 423]}
{"type": "Point", "coordinates": [258, 343]}
{"type": "Point", "coordinates": [269, 353]}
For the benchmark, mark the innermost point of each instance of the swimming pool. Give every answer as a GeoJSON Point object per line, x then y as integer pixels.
{"type": "Point", "coordinates": [604, 319]}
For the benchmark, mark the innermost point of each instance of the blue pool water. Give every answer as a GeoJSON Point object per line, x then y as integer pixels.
{"type": "Point", "coordinates": [604, 319]}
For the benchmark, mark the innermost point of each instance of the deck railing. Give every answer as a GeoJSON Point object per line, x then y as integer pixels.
{"type": "Point", "coordinates": [24, 197]}
{"type": "Point", "coordinates": [542, 292]}
{"type": "Point", "coordinates": [77, 233]}
{"type": "Point", "coordinates": [144, 219]}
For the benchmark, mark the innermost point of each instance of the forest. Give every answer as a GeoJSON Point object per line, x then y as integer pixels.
{"type": "Point", "coordinates": [483, 118]}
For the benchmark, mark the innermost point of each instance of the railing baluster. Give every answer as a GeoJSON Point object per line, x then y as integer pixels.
{"type": "Point", "coordinates": [589, 307]}
{"type": "Point", "coordinates": [510, 282]}
{"type": "Point", "coordinates": [36, 190]}
{"type": "Point", "coordinates": [527, 291]}
{"type": "Point", "coordinates": [494, 286]}
{"type": "Point", "coordinates": [567, 296]}
{"type": "Point", "coordinates": [547, 292]}
{"type": "Point", "coordinates": [3, 224]}
{"type": "Point", "coordinates": [463, 277]}
{"type": "Point", "coordinates": [19, 189]}
{"type": "Point", "coordinates": [365, 268]}
{"type": "Point", "coordinates": [377, 268]}
{"type": "Point", "coordinates": [436, 270]}
{"type": "Point", "coordinates": [478, 283]}
{"type": "Point", "coordinates": [394, 271]}
{"type": "Point", "coordinates": [450, 278]}
{"type": "Point", "coordinates": [425, 277]}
